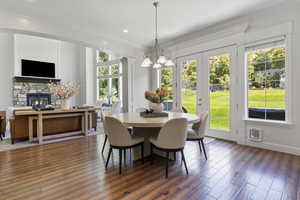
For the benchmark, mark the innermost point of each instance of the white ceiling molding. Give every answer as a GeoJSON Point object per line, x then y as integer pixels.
{"type": "Point", "coordinates": [188, 41]}
{"type": "Point", "coordinates": [269, 32]}
{"type": "Point", "coordinates": [227, 37]}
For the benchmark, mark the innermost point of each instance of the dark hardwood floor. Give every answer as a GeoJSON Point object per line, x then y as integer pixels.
{"type": "Point", "coordinates": [75, 170]}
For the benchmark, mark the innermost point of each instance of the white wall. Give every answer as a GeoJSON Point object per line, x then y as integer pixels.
{"type": "Point", "coordinates": [276, 136]}
{"type": "Point", "coordinates": [36, 48]}
{"type": "Point", "coordinates": [6, 69]}
{"type": "Point", "coordinates": [13, 48]}
{"type": "Point", "coordinates": [141, 83]}
{"type": "Point", "coordinates": [70, 66]}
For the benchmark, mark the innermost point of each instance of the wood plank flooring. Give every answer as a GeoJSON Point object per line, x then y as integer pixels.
{"type": "Point", "coordinates": [75, 170]}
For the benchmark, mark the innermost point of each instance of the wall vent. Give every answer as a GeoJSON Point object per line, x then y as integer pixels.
{"type": "Point", "coordinates": [255, 134]}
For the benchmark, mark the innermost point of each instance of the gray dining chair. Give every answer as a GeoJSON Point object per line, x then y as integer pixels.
{"type": "Point", "coordinates": [171, 138]}
{"type": "Point", "coordinates": [197, 132]}
{"type": "Point", "coordinates": [120, 138]}
{"type": "Point", "coordinates": [104, 113]}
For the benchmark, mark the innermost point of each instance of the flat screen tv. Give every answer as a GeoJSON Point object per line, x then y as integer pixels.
{"type": "Point", "coordinates": [37, 69]}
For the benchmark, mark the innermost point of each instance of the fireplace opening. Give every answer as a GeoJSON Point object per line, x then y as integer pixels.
{"type": "Point", "coordinates": [38, 99]}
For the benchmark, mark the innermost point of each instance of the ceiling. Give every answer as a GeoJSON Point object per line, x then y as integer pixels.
{"type": "Point", "coordinates": [110, 17]}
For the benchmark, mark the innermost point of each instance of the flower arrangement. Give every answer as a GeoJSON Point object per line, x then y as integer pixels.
{"type": "Point", "coordinates": [63, 91]}
{"type": "Point", "coordinates": [156, 97]}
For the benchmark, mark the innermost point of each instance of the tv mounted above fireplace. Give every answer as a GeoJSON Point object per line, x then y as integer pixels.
{"type": "Point", "coordinates": [40, 69]}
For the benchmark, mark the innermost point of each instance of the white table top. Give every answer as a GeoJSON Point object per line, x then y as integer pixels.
{"type": "Point", "coordinates": [135, 120]}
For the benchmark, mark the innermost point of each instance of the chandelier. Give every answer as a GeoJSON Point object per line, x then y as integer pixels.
{"type": "Point", "coordinates": [159, 59]}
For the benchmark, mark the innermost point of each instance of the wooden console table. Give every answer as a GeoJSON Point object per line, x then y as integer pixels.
{"type": "Point", "coordinates": [86, 121]}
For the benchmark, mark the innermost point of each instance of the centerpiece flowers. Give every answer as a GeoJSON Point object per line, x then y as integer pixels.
{"type": "Point", "coordinates": [156, 99]}
{"type": "Point", "coordinates": [63, 92]}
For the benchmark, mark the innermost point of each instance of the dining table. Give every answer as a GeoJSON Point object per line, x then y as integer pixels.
{"type": "Point", "coordinates": [149, 127]}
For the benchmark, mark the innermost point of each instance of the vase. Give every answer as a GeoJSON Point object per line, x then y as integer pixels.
{"type": "Point", "coordinates": [156, 107]}
{"type": "Point", "coordinates": [65, 104]}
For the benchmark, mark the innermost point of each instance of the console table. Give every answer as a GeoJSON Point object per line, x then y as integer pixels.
{"type": "Point", "coordinates": [40, 116]}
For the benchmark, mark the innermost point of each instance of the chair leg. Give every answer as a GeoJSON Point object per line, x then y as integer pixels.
{"type": "Point", "coordinates": [151, 153]}
{"type": "Point", "coordinates": [167, 165]}
{"type": "Point", "coordinates": [200, 146]}
{"type": "Point", "coordinates": [175, 156]}
{"type": "Point", "coordinates": [142, 152]}
{"type": "Point", "coordinates": [120, 161]}
{"type": "Point", "coordinates": [183, 158]}
{"type": "Point", "coordinates": [109, 153]}
{"type": "Point", "coordinates": [125, 157]}
{"type": "Point", "coordinates": [203, 147]}
{"type": "Point", "coordinates": [105, 140]}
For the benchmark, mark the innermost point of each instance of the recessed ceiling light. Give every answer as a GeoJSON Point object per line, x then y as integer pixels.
{"type": "Point", "coordinates": [24, 21]}
{"type": "Point", "coordinates": [30, 1]}
{"type": "Point", "coordinates": [125, 31]}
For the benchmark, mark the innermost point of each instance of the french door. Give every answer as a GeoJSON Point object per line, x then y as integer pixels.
{"type": "Point", "coordinates": [204, 83]}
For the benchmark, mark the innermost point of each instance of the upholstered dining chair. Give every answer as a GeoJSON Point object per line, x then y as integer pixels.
{"type": "Point", "coordinates": [171, 138]}
{"type": "Point", "coordinates": [120, 138]}
{"type": "Point", "coordinates": [104, 113]}
{"type": "Point", "coordinates": [197, 132]}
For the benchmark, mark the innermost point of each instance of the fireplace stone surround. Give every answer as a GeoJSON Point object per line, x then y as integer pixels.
{"type": "Point", "coordinates": [22, 88]}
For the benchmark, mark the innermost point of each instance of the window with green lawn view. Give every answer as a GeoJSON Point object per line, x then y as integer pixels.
{"type": "Point", "coordinates": [166, 82]}
{"type": "Point", "coordinates": [109, 78]}
{"type": "Point", "coordinates": [189, 86]}
{"type": "Point", "coordinates": [266, 81]}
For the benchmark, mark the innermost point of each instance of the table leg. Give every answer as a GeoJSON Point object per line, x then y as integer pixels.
{"type": "Point", "coordinates": [30, 127]}
{"type": "Point", "coordinates": [82, 124]}
{"type": "Point", "coordinates": [90, 122]}
{"type": "Point", "coordinates": [40, 128]}
{"type": "Point", "coordinates": [86, 129]}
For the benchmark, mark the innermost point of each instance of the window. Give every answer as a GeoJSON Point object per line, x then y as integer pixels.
{"type": "Point", "coordinates": [166, 82]}
{"type": "Point", "coordinates": [109, 79]}
{"type": "Point", "coordinates": [267, 81]}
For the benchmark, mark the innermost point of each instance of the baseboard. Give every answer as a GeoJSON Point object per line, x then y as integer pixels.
{"type": "Point", "coordinates": [274, 147]}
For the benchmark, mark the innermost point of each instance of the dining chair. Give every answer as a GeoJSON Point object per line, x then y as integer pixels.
{"type": "Point", "coordinates": [197, 132]}
{"type": "Point", "coordinates": [104, 113]}
{"type": "Point", "coordinates": [171, 138]}
{"type": "Point", "coordinates": [120, 138]}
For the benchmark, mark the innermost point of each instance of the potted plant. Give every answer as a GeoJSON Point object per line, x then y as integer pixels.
{"type": "Point", "coordinates": [63, 92]}
{"type": "Point", "coordinates": [156, 99]}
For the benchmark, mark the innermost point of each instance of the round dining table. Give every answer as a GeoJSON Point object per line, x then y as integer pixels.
{"type": "Point", "coordinates": [149, 126]}
{"type": "Point", "coordinates": [134, 119]}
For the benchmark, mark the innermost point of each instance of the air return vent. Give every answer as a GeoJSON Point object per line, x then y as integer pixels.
{"type": "Point", "coordinates": [255, 134]}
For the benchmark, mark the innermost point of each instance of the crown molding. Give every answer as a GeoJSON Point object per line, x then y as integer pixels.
{"type": "Point", "coordinates": [194, 38]}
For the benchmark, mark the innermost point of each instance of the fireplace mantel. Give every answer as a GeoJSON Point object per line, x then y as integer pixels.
{"type": "Point", "coordinates": [25, 79]}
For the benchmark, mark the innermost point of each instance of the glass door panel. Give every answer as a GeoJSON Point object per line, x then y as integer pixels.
{"type": "Point", "coordinates": [189, 86]}
{"type": "Point", "coordinates": [219, 92]}
{"type": "Point", "coordinates": [166, 82]}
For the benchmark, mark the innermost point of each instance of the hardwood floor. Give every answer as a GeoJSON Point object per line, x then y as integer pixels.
{"type": "Point", "coordinates": [75, 170]}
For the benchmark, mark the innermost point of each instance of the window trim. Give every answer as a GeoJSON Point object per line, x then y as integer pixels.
{"type": "Point", "coordinates": [110, 76]}
{"type": "Point", "coordinates": [287, 44]}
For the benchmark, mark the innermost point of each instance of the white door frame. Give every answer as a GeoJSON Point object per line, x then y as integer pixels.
{"type": "Point", "coordinates": [178, 82]}
{"type": "Point", "coordinates": [232, 50]}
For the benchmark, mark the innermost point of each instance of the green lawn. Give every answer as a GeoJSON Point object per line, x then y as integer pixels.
{"type": "Point", "coordinates": [220, 109]}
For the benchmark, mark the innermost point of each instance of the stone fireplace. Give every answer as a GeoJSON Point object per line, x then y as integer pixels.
{"type": "Point", "coordinates": [38, 99]}
{"type": "Point", "coordinates": [27, 92]}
